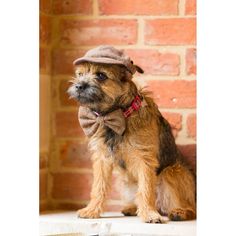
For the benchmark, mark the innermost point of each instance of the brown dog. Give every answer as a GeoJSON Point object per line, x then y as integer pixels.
{"type": "Point", "coordinates": [126, 131]}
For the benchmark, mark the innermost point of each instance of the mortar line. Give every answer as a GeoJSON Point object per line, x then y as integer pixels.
{"type": "Point", "coordinates": [66, 109]}
{"type": "Point", "coordinates": [77, 170]}
{"type": "Point", "coordinates": [50, 138]}
{"type": "Point", "coordinates": [71, 170]}
{"type": "Point", "coordinates": [182, 8]}
{"type": "Point", "coordinates": [185, 141]}
{"type": "Point", "coordinates": [165, 48]}
{"type": "Point", "coordinates": [108, 201]}
{"type": "Point", "coordinates": [54, 32]}
{"type": "Point", "coordinates": [45, 46]}
{"type": "Point", "coordinates": [179, 110]}
{"type": "Point", "coordinates": [67, 200]}
{"type": "Point", "coordinates": [140, 40]}
{"type": "Point", "coordinates": [182, 62]}
{"type": "Point", "coordinates": [122, 17]}
{"type": "Point", "coordinates": [44, 74]}
{"type": "Point", "coordinates": [165, 78]}
{"type": "Point", "coordinates": [63, 140]}
{"type": "Point", "coordinates": [57, 95]}
{"type": "Point", "coordinates": [95, 9]}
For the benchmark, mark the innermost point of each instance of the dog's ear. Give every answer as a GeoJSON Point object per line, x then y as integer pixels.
{"type": "Point", "coordinates": [139, 69]}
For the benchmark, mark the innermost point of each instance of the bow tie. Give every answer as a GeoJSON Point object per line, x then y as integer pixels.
{"type": "Point", "coordinates": [91, 121]}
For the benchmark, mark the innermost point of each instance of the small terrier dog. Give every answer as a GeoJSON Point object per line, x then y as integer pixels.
{"type": "Point", "coordinates": [127, 131]}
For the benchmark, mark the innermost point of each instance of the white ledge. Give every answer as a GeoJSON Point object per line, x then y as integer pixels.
{"type": "Point", "coordinates": [111, 223]}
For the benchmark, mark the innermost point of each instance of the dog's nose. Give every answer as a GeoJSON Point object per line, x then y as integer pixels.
{"type": "Point", "coordinates": [81, 86]}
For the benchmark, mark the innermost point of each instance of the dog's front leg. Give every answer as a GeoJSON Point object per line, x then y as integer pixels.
{"type": "Point", "coordinates": [102, 170]}
{"type": "Point", "coordinates": [146, 195]}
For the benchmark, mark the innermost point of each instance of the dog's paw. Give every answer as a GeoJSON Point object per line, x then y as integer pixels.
{"type": "Point", "coordinates": [180, 214]}
{"type": "Point", "coordinates": [87, 213]}
{"type": "Point", "coordinates": [153, 217]}
{"type": "Point", "coordinates": [129, 211]}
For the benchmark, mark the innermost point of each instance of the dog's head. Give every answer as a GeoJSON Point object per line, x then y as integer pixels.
{"type": "Point", "coordinates": [103, 79]}
{"type": "Point", "coordinates": [102, 87]}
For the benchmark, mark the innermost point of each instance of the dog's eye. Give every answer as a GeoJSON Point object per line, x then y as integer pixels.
{"type": "Point", "coordinates": [79, 74]}
{"type": "Point", "coordinates": [101, 76]}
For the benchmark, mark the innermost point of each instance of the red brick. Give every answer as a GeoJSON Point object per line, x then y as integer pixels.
{"type": "Point", "coordinates": [190, 7]}
{"type": "Point", "coordinates": [174, 94]}
{"type": "Point", "coordinates": [175, 120]}
{"type": "Point", "coordinates": [75, 154]}
{"type": "Point", "coordinates": [67, 124]}
{"type": "Point", "coordinates": [191, 61]}
{"type": "Point", "coordinates": [178, 31]}
{"type": "Point", "coordinates": [73, 186]}
{"type": "Point", "coordinates": [43, 185]}
{"type": "Point", "coordinates": [72, 6]}
{"type": "Point", "coordinates": [62, 60]}
{"type": "Point", "coordinates": [96, 32]}
{"type": "Point", "coordinates": [44, 60]}
{"type": "Point", "coordinates": [44, 206]}
{"type": "Point", "coordinates": [45, 29]}
{"type": "Point", "coordinates": [191, 125]}
{"type": "Point", "coordinates": [43, 160]}
{"type": "Point", "coordinates": [138, 7]}
{"type": "Point", "coordinates": [77, 186]}
{"type": "Point", "coordinates": [63, 95]}
{"type": "Point", "coordinates": [156, 63]}
{"type": "Point", "coordinates": [45, 6]}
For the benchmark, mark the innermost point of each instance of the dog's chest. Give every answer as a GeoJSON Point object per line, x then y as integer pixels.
{"type": "Point", "coordinates": [114, 145]}
{"type": "Point", "coordinates": [111, 140]}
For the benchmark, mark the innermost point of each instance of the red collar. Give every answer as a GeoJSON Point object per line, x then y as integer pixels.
{"type": "Point", "coordinates": [135, 106]}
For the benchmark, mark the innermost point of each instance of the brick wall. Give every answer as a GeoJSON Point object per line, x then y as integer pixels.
{"type": "Point", "coordinates": [159, 35]}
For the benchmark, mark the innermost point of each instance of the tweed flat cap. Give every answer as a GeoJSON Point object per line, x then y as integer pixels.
{"type": "Point", "coordinates": [108, 55]}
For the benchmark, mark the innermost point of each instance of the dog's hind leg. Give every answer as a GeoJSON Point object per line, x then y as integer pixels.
{"type": "Point", "coordinates": [176, 193]}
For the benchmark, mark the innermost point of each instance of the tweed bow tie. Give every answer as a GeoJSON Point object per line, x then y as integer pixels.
{"type": "Point", "coordinates": [90, 121]}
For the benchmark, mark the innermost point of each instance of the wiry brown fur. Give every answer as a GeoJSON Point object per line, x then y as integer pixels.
{"type": "Point", "coordinates": [155, 179]}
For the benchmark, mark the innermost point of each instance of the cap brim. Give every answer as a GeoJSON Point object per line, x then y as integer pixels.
{"type": "Point", "coordinates": [101, 60]}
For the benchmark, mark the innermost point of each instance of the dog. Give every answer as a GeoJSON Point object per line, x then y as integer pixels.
{"type": "Point", "coordinates": [128, 133]}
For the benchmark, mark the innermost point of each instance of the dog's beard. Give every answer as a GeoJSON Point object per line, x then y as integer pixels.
{"type": "Point", "coordinates": [92, 94]}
